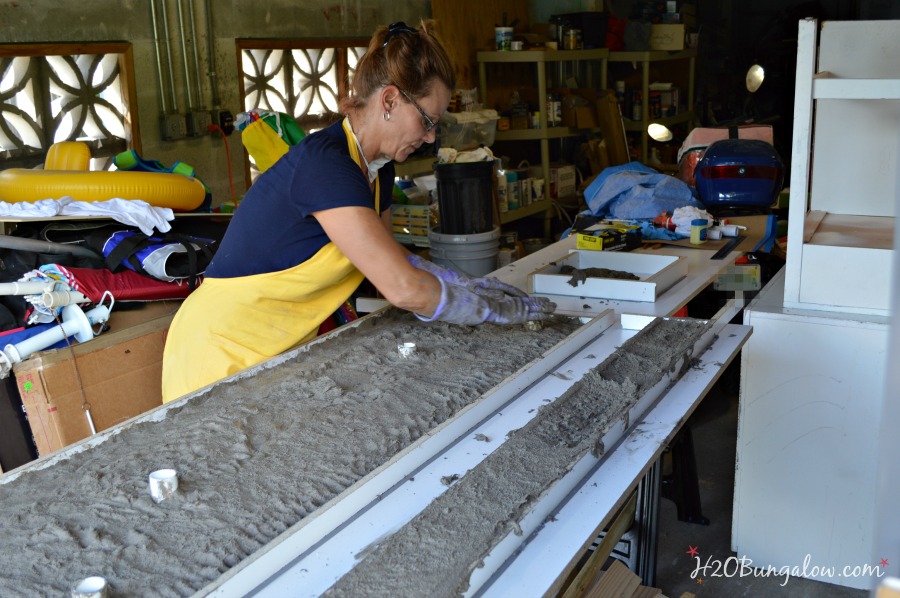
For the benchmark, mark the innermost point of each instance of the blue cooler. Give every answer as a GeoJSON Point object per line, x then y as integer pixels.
{"type": "Point", "coordinates": [739, 173]}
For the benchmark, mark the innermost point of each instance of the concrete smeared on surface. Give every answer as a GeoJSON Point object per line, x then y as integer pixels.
{"type": "Point", "coordinates": [254, 457]}
{"type": "Point", "coordinates": [435, 553]}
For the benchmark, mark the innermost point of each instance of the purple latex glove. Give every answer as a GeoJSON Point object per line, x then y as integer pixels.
{"type": "Point", "coordinates": [460, 305]}
{"type": "Point", "coordinates": [487, 287]}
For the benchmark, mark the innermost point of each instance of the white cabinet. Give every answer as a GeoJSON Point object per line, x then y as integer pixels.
{"type": "Point", "coordinates": [817, 470]}
{"type": "Point", "coordinates": [812, 394]}
{"type": "Point", "coordinates": [844, 167]}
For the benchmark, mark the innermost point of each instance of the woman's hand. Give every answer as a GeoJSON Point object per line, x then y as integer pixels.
{"type": "Point", "coordinates": [460, 305]}
{"type": "Point", "coordinates": [488, 287]}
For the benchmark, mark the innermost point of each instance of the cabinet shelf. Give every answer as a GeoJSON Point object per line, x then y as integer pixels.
{"type": "Point", "coordinates": [529, 210]}
{"type": "Point", "coordinates": [848, 230]}
{"type": "Point", "coordinates": [651, 56]}
{"type": "Point", "coordinates": [681, 117]}
{"type": "Point", "coordinates": [414, 166]}
{"type": "Point", "coordinates": [537, 56]}
{"type": "Point", "coordinates": [827, 87]}
{"type": "Point", "coordinates": [537, 134]}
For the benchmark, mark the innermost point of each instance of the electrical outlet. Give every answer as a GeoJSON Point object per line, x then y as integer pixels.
{"type": "Point", "coordinates": [198, 123]}
{"type": "Point", "coordinates": [172, 126]}
{"type": "Point", "coordinates": [226, 121]}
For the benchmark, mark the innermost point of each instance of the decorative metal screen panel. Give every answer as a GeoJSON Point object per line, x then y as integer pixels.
{"type": "Point", "coordinates": [304, 81]}
{"type": "Point", "coordinates": [46, 99]}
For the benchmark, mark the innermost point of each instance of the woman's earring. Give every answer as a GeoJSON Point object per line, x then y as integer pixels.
{"type": "Point", "coordinates": [386, 116]}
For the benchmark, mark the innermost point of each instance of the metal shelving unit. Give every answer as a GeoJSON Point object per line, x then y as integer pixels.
{"type": "Point", "coordinates": [646, 59]}
{"type": "Point", "coordinates": [540, 59]}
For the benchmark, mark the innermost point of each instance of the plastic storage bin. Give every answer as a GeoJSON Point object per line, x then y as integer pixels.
{"type": "Point", "coordinates": [468, 130]}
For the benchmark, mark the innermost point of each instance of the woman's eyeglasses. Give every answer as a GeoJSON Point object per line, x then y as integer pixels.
{"type": "Point", "coordinates": [426, 120]}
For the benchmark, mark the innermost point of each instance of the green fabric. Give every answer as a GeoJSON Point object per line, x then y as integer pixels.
{"type": "Point", "coordinates": [291, 132]}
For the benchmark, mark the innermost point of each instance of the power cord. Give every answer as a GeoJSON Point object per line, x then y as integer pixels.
{"type": "Point", "coordinates": [217, 129]}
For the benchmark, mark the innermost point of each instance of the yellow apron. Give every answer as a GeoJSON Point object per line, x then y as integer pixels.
{"type": "Point", "coordinates": [229, 324]}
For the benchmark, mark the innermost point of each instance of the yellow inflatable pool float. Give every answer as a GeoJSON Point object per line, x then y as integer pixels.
{"type": "Point", "coordinates": [161, 189]}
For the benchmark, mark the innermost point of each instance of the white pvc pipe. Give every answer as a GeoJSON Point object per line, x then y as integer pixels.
{"type": "Point", "coordinates": [75, 323]}
{"type": "Point", "coordinates": [62, 298]}
{"type": "Point", "coordinates": [29, 287]}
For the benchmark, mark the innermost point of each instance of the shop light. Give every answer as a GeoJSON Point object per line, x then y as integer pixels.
{"type": "Point", "coordinates": [659, 132]}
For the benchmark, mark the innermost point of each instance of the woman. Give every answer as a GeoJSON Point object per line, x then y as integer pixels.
{"type": "Point", "coordinates": [318, 221]}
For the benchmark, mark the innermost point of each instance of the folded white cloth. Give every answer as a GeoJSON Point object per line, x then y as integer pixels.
{"type": "Point", "coordinates": [133, 212]}
{"type": "Point", "coordinates": [45, 208]}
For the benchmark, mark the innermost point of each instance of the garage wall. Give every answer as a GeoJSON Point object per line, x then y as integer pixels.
{"type": "Point", "coordinates": [43, 21]}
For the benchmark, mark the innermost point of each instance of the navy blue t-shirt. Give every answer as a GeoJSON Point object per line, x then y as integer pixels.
{"type": "Point", "coordinates": [273, 228]}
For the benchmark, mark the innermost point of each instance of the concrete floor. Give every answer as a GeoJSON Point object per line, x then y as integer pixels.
{"type": "Point", "coordinates": [714, 428]}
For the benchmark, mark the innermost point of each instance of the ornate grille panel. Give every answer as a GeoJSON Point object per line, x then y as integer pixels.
{"type": "Point", "coordinates": [305, 80]}
{"type": "Point", "coordinates": [62, 97]}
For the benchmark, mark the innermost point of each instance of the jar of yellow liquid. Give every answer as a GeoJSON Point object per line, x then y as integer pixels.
{"type": "Point", "coordinates": [699, 229]}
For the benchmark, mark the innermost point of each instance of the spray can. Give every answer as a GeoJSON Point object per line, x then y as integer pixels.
{"type": "Point", "coordinates": [502, 195]}
{"type": "Point", "coordinates": [512, 190]}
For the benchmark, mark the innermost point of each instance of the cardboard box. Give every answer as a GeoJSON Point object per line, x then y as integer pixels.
{"type": "Point", "coordinates": [667, 37]}
{"type": "Point", "coordinates": [610, 122]}
{"type": "Point", "coordinates": [579, 108]}
{"type": "Point", "coordinates": [562, 180]}
{"type": "Point", "coordinates": [601, 241]}
{"type": "Point", "coordinates": [120, 374]}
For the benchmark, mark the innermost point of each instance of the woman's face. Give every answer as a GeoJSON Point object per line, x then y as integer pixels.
{"type": "Point", "coordinates": [417, 120]}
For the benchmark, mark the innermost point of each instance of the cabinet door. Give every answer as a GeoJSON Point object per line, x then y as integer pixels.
{"type": "Point", "coordinates": [811, 397]}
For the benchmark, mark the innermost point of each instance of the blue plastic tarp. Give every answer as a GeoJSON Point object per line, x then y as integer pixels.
{"type": "Point", "coordinates": [634, 191]}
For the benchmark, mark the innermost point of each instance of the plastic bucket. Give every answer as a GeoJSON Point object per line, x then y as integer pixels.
{"type": "Point", "coordinates": [475, 255]}
{"type": "Point", "coordinates": [465, 197]}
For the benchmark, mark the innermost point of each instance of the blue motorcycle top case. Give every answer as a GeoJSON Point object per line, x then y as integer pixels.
{"type": "Point", "coordinates": [739, 173]}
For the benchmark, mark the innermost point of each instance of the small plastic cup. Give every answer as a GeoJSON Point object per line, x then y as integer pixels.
{"type": "Point", "coordinates": [406, 349]}
{"type": "Point", "coordinates": [503, 38]}
{"type": "Point", "coordinates": [163, 484]}
{"type": "Point", "coordinates": [90, 587]}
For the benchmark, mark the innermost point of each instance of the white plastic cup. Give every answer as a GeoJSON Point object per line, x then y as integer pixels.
{"type": "Point", "coordinates": [163, 484]}
{"type": "Point", "coordinates": [503, 38]}
{"type": "Point", "coordinates": [406, 349]}
{"type": "Point", "coordinates": [516, 46]}
{"type": "Point", "coordinates": [90, 587]}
